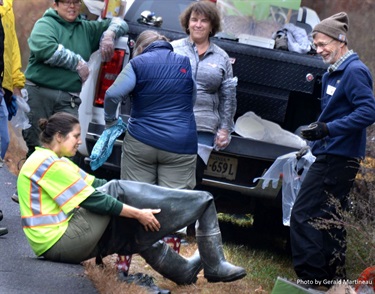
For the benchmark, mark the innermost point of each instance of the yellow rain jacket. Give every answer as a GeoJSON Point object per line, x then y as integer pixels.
{"type": "Point", "coordinates": [13, 77]}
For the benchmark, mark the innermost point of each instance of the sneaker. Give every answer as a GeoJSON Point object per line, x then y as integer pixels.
{"type": "Point", "coordinates": [3, 231]}
{"type": "Point", "coordinates": [1, 215]}
{"type": "Point", "coordinates": [144, 281]}
{"type": "Point", "coordinates": [1, 162]}
{"type": "Point", "coordinates": [15, 197]}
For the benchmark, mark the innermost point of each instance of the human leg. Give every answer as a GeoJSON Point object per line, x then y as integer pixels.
{"type": "Point", "coordinates": [163, 259]}
{"type": "Point", "coordinates": [319, 254]}
{"type": "Point", "coordinates": [41, 102]}
{"type": "Point", "coordinates": [175, 170]}
{"type": "Point", "coordinates": [3, 231]}
{"type": "Point", "coordinates": [80, 241]}
{"type": "Point", "coordinates": [178, 208]}
{"type": "Point", "coordinates": [216, 268]}
{"type": "Point", "coordinates": [138, 161]}
{"type": "Point", "coordinates": [4, 132]}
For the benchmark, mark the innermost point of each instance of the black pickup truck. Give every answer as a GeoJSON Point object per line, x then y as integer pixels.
{"type": "Point", "coordinates": [277, 85]}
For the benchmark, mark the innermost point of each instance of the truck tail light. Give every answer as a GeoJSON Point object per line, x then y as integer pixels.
{"type": "Point", "coordinates": [107, 75]}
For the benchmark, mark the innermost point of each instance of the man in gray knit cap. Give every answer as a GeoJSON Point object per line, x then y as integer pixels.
{"type": "Point", "coordinates": [338, 140]}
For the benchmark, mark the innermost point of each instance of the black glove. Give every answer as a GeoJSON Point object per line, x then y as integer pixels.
{"type": "Point", "coordinates": [315, 131]}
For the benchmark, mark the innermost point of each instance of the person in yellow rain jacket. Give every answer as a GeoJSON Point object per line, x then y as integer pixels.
{"type": "Point", "coordinates": [69, 215]}
{"type": "Point", "coordinates": [13, 78]}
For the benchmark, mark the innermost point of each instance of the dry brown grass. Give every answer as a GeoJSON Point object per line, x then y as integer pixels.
{"type": "Point", "coordinates": [17, 149]}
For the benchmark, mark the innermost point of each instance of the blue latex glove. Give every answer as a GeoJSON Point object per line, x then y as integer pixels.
{"type": "Point", "coordinates": [103, 147]}
{"type": "Point", "coordinates": [12, 107]}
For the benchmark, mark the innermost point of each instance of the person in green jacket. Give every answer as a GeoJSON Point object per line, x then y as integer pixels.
{"type": "Point", "coordinates": [61, 43]}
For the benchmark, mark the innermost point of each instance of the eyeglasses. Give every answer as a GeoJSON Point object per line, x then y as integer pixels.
{"type": "Point", "coordinates": [321, 45]}
{"type": "Point", "coordinates": [69, 3]}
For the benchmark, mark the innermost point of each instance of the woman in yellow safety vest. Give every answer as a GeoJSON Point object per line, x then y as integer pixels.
{"type": "Point", "coordinates": [69, 215]}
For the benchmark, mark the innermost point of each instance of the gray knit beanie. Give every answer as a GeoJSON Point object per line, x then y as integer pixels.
{"type": "Point", "coordinates": [335, 26]}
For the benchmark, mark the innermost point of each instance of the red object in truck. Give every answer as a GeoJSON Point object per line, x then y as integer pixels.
{"type": "Point", "coordinates": [107, 75]}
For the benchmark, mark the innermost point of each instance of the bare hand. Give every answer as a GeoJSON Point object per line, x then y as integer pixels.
{"type": "Point", "coordinates": [148, 220]}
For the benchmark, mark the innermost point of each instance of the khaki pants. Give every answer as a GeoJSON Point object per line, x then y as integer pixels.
{"type": "Point", "coordinates": [80, 241]}
{"type": "Point", "coordinates": [144, 163]}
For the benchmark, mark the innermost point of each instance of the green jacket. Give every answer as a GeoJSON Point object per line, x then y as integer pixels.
{"type": "Point", "coordinates": [81, 37]}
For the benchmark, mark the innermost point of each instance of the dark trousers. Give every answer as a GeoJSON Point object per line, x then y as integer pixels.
{"type": "Point", "coordinates": [319, 253]}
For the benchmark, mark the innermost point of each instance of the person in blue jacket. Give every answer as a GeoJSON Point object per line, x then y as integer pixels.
{"type": "Point", "coordinates": [3, 112]}
{"type": "Point", "coordinates": [160, 145]}
{"type": "Point", "coordinates": [338, 140]}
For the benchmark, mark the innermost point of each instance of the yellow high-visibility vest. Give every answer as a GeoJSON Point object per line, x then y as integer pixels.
{"type": "Point", "coordinates": [49, 189]}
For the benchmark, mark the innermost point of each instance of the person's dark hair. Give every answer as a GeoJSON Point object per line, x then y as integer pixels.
{"type": "Point", "coordinates": [206, 8]}
{"type": "Point", "coordinates": [145, 39]}
{"type": "Point", "coordinates": [60, 122]}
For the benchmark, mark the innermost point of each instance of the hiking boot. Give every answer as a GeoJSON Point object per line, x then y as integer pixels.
{"type": "Point", "coordinates": [3, 231]}
{"type": "Point", "coordinates": [14, 197]}
{"type": "Point", "coordinates": [144, 281]}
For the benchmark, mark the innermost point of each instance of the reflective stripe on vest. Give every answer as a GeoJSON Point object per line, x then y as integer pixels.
{"type": "Point", "coordinates": [41, 220]}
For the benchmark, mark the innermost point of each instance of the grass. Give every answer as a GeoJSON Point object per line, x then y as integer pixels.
{"type": "Point", "coordinates": [262, 267]}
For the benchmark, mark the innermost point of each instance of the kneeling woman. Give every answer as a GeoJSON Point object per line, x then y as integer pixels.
{"type": "Point", "coordinates": [69, 215]}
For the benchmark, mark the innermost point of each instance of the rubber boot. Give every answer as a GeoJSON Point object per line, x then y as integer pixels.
{"type": "Point", "coordinates": [3, 231]}
{"type": "Point", "coordinates": [171, 265]}
{"type": "Point", "coordinates": [208, 235]}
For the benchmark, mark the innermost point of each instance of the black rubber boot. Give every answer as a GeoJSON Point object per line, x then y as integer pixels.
{"type": "Point", "coordinates": [215, 266]}
{"type": "Point", "coordinates": [162, 258]}
{"type": "Point", "coordinates": [3, 231]}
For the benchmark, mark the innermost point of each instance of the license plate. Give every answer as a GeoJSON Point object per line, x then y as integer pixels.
{"type": "Point", "coordinates": [221, 167]}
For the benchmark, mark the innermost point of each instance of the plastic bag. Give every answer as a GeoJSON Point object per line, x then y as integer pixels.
{"type": "Point", "coordinates": [275, 172]}
{"type": "Point", "coordinates": [20, 120]}
{"type": "Point", "coordinates": [103, 147]}
{"type": "Point", "coordinates": [291, 169]}
{"type": "Point", "coordinates": [94, 6]}
{"type": "Point", "coordinates": [294, 172]}
{"type": "Point", "coordinates": [254, 127]}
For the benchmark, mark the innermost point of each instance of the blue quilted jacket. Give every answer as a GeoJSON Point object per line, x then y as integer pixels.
{"type": "Point", "coordinates": [162, 106]}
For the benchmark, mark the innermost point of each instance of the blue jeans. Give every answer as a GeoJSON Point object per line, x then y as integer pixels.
{"type": "Point", "coordinates": [4, 131]}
